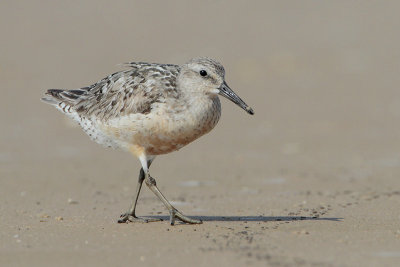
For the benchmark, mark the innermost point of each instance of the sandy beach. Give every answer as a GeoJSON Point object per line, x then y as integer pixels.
{"type": "Point", "coordinates": [312, 179]}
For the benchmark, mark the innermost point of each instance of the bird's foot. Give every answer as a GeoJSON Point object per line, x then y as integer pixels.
{"type": "Point", "coordinates": [127, 217]}
{"type": "Point", "coordinates": [176, 214]}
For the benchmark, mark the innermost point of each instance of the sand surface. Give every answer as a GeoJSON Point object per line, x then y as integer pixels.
{"type": "Point", "coordinates": [311, 180]}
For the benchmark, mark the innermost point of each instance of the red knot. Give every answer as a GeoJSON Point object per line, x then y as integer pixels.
{"type": "Point", "coordinates": [150, 109]}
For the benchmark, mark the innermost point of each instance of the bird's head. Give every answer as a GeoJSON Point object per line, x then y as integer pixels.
{"type": "Point", "coordinates": [207, 76]}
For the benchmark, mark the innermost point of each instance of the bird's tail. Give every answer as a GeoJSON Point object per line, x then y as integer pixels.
{"type": "Point", "coordinates": [53, 96]}
{"type": "Point", "coordinates": [64, 100]}
{"type": "Point", "coordinates": [57, 96]}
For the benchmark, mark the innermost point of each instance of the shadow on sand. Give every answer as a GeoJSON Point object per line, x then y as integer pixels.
{"type": "Point", "coordinates": [254, 218]}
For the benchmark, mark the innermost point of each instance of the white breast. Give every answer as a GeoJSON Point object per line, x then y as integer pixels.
{"type": "Point", "coordinates": [164, 129]}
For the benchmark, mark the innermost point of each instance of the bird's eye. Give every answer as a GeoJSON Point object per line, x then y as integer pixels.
{"type": "Point", "coordinates": [203, 73]}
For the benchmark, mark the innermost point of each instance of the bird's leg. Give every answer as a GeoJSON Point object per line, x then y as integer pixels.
{"type": "Point", "coordinates": [173, 212]}
{"type": "Point", "coordinates": [130, 216]}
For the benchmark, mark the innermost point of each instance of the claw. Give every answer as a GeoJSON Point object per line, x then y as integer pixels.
{"type": "Point", "coordinates": [126, 218]}
{"type": "Point", "coordinates": [175, 214]}
{"type": "Point", "coordinates": [172, 215]}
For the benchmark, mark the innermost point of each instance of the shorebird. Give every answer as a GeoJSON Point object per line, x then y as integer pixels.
{"type": "Point", "coordinates": [150, 109]}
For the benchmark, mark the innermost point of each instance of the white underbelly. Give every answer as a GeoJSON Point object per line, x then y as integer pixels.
{"type": "Point", "coordinates": [158, 132]}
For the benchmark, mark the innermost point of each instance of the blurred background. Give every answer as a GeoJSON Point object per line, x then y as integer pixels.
{"type": "Point", "coordinates": [313, 71]}
{"type": "Point", "coordinates": [322, 77]}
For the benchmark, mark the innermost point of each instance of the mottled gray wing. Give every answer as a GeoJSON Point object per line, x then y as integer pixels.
{"type": "Point", "coordinates": [122, 93]}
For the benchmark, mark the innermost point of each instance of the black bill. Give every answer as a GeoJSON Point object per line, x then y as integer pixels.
{"type": "Point", "coordinates": [227, 92]}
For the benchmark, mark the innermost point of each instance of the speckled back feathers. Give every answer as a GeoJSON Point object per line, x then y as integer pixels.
{"type": "Point", "coordinates": [121, 93]}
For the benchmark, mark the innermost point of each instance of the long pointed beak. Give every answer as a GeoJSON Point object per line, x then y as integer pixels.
{"type": "Point", "coordinates": [227, 92]}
